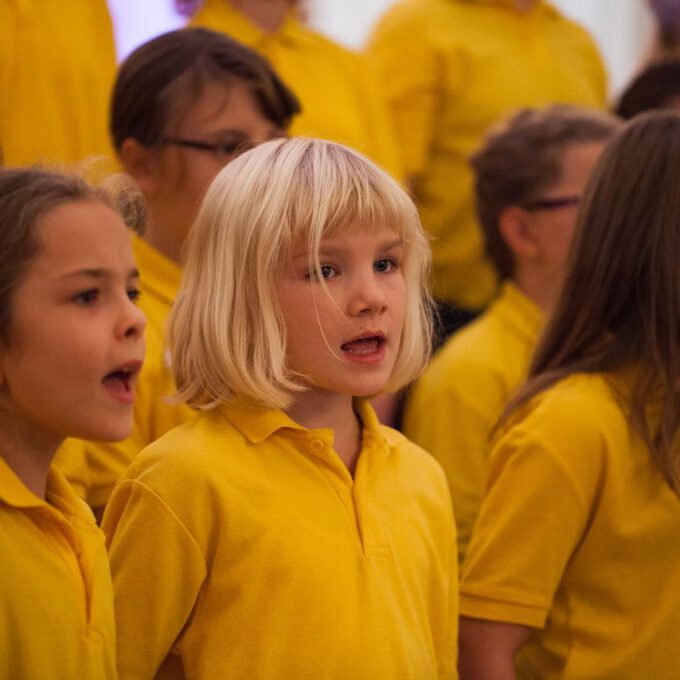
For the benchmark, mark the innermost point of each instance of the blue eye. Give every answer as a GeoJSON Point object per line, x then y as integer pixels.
{"type": "Point", "coordinates": [327, 272]}
{"type": "Point", "coordinates": [386, 266]}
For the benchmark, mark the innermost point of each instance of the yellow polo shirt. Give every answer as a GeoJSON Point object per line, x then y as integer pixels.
{"type": "Point", "coordinates": [455, 404]}
{"type": "Point", "coordinates": [341, 98]}
{"type": "Point", "coordinates": [57, 65]}
{"type": "Point", "coordinates": [240, 542]}
{"type": "Point", "coordinates": [153, 415]}
{"type": "Point", "coordinates": [578, 538]}
{"type": "Point", "coordinates": [451, 68]}
{"type": "Point", "coordinates": [56, 599]}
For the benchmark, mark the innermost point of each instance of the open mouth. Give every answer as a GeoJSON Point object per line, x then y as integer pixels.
{"type": "Point", "coordinates": [121, 383]}
{"type": "Point", "coordinates": [365, 345]}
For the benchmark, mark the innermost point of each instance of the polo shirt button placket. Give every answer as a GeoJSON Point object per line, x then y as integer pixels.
{"type": "Point", "coordinates": [317, 445]}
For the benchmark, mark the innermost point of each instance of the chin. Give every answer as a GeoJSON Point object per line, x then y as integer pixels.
{"type": "Point", "coordinates": [106, 433]}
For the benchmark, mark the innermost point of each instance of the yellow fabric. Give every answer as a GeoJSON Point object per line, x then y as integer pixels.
{"type": "Point", "coordinates": [340, 96]}
{"type": "Point", "coordinates": [455, 404]}
{"type": "Point", "coordinates": [450, 69]}
{"type": "Point", "coordinates": [56, 597]}
{"type": "Point", "coordinates": [240, 542]}
{"type": "Point", "coordinates": [578, 537]}
{"type": "Point", "coordinates": [153, 416]}
{"type": "Point", "coordinates": [57, 65]}
{"type": "Point", "coordinates": [71, 461]}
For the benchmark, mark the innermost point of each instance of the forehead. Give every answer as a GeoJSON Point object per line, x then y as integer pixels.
{"type": "Point", "coordinates": [353, 235]}
{"type": "Point", "coordinates": [578, 161]}
{"type": "Point", "coordinates": [221, 104]}
{"type": "Point", "coordinates": [81, 234]}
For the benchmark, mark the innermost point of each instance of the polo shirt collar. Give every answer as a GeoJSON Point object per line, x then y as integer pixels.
{"type": "Point", "coordinates": [256, 425]}
{"type": "Point", "coordinates": [520, 311]}
{"type": "Point", "coordinates": [59, 494]}
{"type": "Point", "coordinates": [246, 31]}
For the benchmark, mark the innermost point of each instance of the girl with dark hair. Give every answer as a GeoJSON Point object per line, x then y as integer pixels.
{"type": "Point", "coordinates": [571, 572]}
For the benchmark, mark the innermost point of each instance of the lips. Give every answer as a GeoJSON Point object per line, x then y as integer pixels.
{"type": "Point", "coordinates": [121, 382]}
{"type": "Point", "coordinates": [364, 345]}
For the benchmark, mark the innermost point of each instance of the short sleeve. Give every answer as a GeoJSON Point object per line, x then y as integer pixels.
{"type": "Point", "coordinates": [157, 570]}
{"type": "Point", "coordinates": [533, 515]}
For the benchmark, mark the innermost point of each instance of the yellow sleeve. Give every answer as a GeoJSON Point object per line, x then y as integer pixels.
{"type": "Point", "coordinates": [534, 512]}
{"type": "Point", "coordinates": [157, 572]}
{"type": "Point", "coordinates": [406, 65]}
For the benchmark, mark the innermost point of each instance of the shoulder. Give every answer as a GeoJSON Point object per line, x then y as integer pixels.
{"type": "Point", "coordinates": [193, 448]}
{"type": "Point", "coordinates": [578, 423]}
{"type": "Point", "coordinates": [485, 350]}
{"type": "Point", "coordinates": [414, 460]}
{"type": "Point", "coordinates": [409, 16]}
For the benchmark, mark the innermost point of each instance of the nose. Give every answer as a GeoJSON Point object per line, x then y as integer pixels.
{"type": "Point", "coordinates": [131, 322]}
{"type": "Point", "coordinates": [368, 296]}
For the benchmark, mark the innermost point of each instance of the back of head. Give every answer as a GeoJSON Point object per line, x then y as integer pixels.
{"type": "Point", "coordinates": [164, 76]}
{"type": "Point", "coordinates": [227, 337]}
{"type": "Point", "coordinates": [657, 87]}
{"type": "Point", "coordinates": [521, 158]}
{"type": "Point", "coordinates": [26, 195]}
{"type": "Point", "coordinates": [620, 306]}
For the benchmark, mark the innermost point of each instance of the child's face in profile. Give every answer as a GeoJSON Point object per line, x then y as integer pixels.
{"type": "Point", "coordinates": [76, 334]}
{"type": "Point", "coordinates": [345, 338]}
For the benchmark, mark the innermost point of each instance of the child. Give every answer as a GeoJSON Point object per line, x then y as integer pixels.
{"type": "Point", "coordinates": [530, 174]}
{"type": "Point", "coordinates": [184, 104]}
{"type": "Point", "coordinates": [284, 532]}
{"type": "Point", "coordinates": [573, 562]}
{"type": "Point", "coordinates": [71, 344]}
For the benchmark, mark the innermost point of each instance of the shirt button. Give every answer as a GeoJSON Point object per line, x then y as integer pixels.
{"type": "Point", "coordinates": [317, 445]}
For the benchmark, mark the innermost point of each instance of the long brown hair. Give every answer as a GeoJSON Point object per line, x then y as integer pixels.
{"type": "Point", "coordinates": [620, 305]}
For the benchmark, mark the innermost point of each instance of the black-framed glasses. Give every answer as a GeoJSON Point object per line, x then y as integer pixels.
{"type": "Point", "coordinates": [553, 203]}
{"type": "Point", "coordinates": [221, 150]}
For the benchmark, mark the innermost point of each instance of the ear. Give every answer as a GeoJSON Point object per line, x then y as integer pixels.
{"type": "Point", "coordinates": [516, 226]}
{"type": "Point", "coordinates": [141, 164]}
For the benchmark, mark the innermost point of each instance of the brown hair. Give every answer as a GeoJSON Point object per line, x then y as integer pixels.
{"type": "Point", "coordinates": [655, 88]}
{"type": "Point", "coordinates": [620, 306]}
{"type": "Point", "coordinates": [26, 194]}
{"type": "Point", "coordinates": [172, 69]}
{"type": "Point", "coordinates": [520, 158]}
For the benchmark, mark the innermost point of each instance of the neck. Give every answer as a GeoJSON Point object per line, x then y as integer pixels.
{"type": "Point", "coordinates": [28, 454]}
{"type": "Point", "coordinates": [267, 15]}
{"type": "Point", "coordinates": [543, 290]}
{"type": "Point", "coordinates": [166, 240]}
{"type": "Point", "coordinates": [317, 409]}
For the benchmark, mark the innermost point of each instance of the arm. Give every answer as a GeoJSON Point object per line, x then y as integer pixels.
{"type": "Point", "coordinates": [157, 570]}
{"type": "Point", "coordinates": [487, 649]}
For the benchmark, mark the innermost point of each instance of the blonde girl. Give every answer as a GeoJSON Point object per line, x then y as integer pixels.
{"type": "Point", "coordinates": [284, 532]}
{"type": "Point", "coordinates": [71, 346]}
{"type": "Point", "coordinates": [572, 568]}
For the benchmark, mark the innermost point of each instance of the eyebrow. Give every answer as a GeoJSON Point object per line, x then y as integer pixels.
{"type": "Point", "coordinates": [98, 273]}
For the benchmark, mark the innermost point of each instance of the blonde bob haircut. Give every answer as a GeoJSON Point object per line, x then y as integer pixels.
{"type": "Point", "coordinates": [226, 333]}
